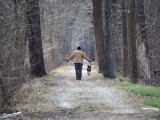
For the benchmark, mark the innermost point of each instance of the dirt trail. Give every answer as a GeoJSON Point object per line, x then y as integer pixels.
{"type": "Point", "coordinates": [90, 99]}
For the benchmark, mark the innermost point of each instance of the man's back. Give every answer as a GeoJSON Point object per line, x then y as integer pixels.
{"type": "Point", "coordinates": [78, 56]}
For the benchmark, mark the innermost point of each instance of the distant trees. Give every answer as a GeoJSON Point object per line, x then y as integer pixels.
{"type": "Point", "coordinates": [66, 24]}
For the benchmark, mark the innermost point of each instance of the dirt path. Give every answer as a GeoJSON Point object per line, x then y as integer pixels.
{"type": "Point", "coordinates": [59, 96]}
{"type": "Point", "coordinates": [90, 99]}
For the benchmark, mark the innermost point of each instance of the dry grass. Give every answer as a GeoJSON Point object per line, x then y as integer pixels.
{"type": "Point", "coordinates": [36, 96]}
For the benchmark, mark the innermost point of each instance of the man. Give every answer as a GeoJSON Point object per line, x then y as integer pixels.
{"type": "Point", "coordinates": [78, 56]}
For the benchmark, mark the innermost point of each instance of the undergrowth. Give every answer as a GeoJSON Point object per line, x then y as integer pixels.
{"type": "Point", "coordinates": [153, 102]}
{"type": "Point", "coordinates": [141, 89]}
{"type": "Point", "coordinates": [150, 91]}
{"type": "Point", "coordinates": [36, 97]}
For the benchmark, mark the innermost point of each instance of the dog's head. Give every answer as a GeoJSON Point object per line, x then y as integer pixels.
{"type": "Point", "coordinates": [156, 72]}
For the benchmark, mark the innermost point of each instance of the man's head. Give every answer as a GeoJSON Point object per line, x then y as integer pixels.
{"type": "Point", "coordinates": [78, 48]}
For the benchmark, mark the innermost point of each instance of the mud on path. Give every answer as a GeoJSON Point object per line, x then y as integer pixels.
{"type": "Point", "coordinates": [90, 99]}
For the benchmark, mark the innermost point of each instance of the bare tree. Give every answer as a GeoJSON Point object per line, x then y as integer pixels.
{"type": "Point", "coordinates": [141, 42]}
{"type": "Point", "coordinates": [98, 30]}
{"type": "Point", "coordinates": [37, 68]}
{"type": "Point", "coordinates": [132, 44]}
{"type": "Point", "coordinates": [125, 41]}
{"type": "Point", "coordinates": [109, 59]}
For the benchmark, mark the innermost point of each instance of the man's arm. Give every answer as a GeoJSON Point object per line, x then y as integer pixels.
{"type": "Point", "coordinates": [71, 57]}
{"type": "Point", "coordinates": [85, 57]}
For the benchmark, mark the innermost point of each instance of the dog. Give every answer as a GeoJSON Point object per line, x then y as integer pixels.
{"type": "Point", "coordinates": [156, 72]}
{"type": "Point", "coordinates": [89, 69]}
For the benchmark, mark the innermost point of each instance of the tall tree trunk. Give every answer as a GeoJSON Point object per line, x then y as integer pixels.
{"type": "Point", "coordinates": [109, 59]}
{"type": "Point", "coordinates": [132, 44]}
{"type": "Point", "coordinates": [37, 68]}
{"type": "Point", "coordinates": [141, 42]}
{"type": "Point", "coordinates": [98, 29]}
{"type": "Point", "coordinates": [125, 42]}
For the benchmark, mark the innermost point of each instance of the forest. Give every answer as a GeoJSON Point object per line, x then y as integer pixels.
{"type": "Point", "coordinates": [122, 36]}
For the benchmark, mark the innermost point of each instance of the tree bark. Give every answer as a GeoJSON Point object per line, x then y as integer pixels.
{"type": "Point", "coordinates": [98, 30]}
{"type": "Point", "coordinates": [37, 68]}
{"type": "Point", "coordinates": [141, 42]}
{"type": "Point", "coordinates": [109, 59]}
{"type": "Point", "coordinates": [125, 42]}
{"type": "Point", "coordinates": [132, 44]}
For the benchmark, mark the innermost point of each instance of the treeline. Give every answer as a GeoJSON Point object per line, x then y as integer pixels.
{"type": "Point", "coordinates": [36, 36]}
{"type": "Point", "coordinates": [21, 53]}
{"type": "Point", "coordinates": [127, 40]}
